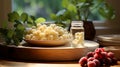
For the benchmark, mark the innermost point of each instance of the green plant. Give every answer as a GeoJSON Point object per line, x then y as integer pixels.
{"type": "Point", "coordinates": [83, 9]}
{"type": "Point", "coordinates": [15, 34]}
{"type": "Point", "coordinates": [62, 16]}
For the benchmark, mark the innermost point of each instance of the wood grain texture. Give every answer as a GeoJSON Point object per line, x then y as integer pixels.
{"type": "Point", "coordinates": [46, 54]}
{"type": "Point", "coordinates": [63, 53]}
{"type": "Point", "coordinates": [4, 63]}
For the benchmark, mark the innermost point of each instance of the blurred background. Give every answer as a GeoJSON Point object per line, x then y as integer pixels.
{"type": "Point", "coordinates": [44, 8]}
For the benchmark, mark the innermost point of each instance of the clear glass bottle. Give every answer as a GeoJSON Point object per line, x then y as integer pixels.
{"type": "Point", "coordinates": [77, 27]}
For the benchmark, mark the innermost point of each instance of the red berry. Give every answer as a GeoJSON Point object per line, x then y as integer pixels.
{"type": "Point", "coordinates": [90, 59]}
{"type": "Point", "coordinates": [83, 61]}
{"type": "Point", "coordinates": [91, 64]}
{"type": "Point", "coordinates": [104, 54]}
{"type": "Point", "coordinates": [107, 61]}
{"type": "Point", "coordinates": [110, 55]}
{"type": "Point", "coordinates": [101, 62]}
{"type": "Point", "coordinates": [96, 56]}
{"type": "Point", "coordinates": [114, 61]}
{"type": "Point", "coordinates": [90, 54]}
{"type": "Point", "coordinates": [102, 49]}
{"type": "Point", "coordinates": [99, 50]}
{"type": "Point", "coordinates": [97, 62]}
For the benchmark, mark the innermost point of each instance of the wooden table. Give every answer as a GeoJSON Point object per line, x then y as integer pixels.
{"type": "Point", "coordinates": [6, 63]}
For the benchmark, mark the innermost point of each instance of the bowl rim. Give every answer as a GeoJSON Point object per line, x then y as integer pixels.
{"type": "Point", "coordinates": [114, 38]}
{"type": "Point", "coordinates": [43, 48]}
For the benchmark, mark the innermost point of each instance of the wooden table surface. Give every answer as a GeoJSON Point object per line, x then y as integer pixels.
{"type": "Point", "coordinates": [6, 63]}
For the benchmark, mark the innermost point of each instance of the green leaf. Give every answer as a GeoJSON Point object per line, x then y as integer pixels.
{"type": "Point", "coordinates": [110, 12]}
{"type": "Point", "coordinates": [13, 16]}
{"type": "Point", "coordinates": [40, 20]}
{"type": "Point", "coordinates": [16, 15]}
{"type": "Point", "coordinates": [101, 1]}
{"type": "Point", "coordinates": [19, 34]}
{"type": "Point", "coordinates": [61, 24]}
{"type": "Point", "coordinates": [29, 19]}
{"type": "Point", "coordinates": [34, 23]}
{"type": "Point", "coordinates": [80, 4]}
{"type": "Point", "coordinates": [18, 22]}
{"type": "Point", "coordinates": [61, 12]}
{"type": "Point", "coordinates": [33, 18]}
{"type": "Point", "coordinates": [53, 16]}
{"type": "Point", "coordinates": [107, 12]}
{"type": "Point", "coordinates": [71, 7]}
{"type": "Point", "coordinates": [24, 17]}
{"type": "Point", "coordinates": [65, 3]}
{"type": "Point", "coordinates": [20, 27]}
{"type": "Point", "coordinates": [10, 33]}
{"type": "Point", "coordinates": [29, 23]}
{"type": "Point", "coordinates": [16, 41]}
{"type": "Point", "coordinates": [102, 12]}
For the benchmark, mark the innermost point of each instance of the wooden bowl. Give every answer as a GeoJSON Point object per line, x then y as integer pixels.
{"type": "Point", "coordinates": [42, 53]}
{"type": "Point", "coordinates": [59, 53]}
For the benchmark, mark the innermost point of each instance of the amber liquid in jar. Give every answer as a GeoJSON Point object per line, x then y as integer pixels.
{"type": "Point", "coordinates": [76, 29]}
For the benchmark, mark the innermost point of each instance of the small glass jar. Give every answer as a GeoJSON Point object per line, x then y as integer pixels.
{"type": "Point", "coordinates": [77, 27]}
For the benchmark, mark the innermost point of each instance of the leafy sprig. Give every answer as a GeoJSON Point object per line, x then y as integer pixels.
{"type": "Point", "coordinates": [15, 34]}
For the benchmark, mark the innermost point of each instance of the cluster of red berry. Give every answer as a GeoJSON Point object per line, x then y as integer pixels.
{"type": "Point", "coordinates": [98, 58]}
